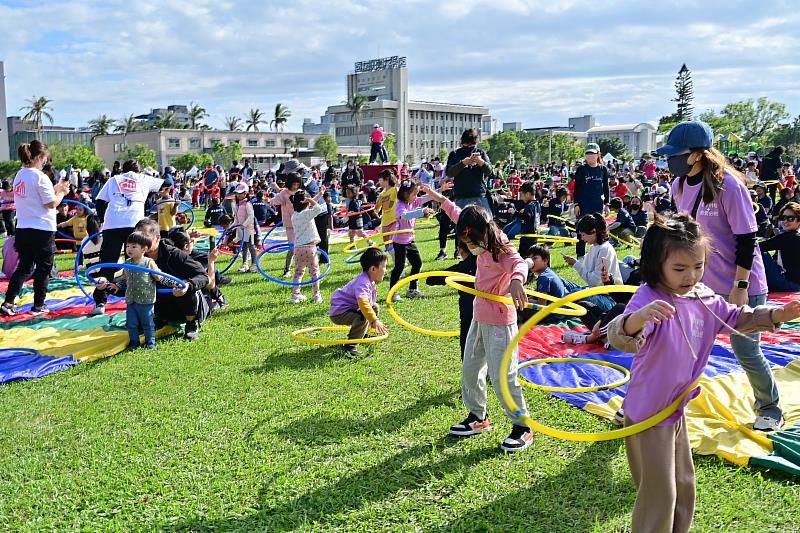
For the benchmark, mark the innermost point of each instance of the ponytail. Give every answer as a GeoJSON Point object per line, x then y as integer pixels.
{"type": "Point", "coordinates": [29, 152]}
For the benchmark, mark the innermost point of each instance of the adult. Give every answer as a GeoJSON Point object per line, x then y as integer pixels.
{"type": "Point", "coordinates": [591, 191]}
{"type": "Point", "coordinates": [35, 199]}
{"type": "Point", "coordinates": [783, 272]}
{"type": "Point", "coordinates": [376, 137]}
{"type": "Point", "coordinates": [124, 196]}
{"type": "Point", "coordinates": [185, 305]}
{"type": "Point", "coordinates": [330, 174]}
{"type": "Point", "coordinates": [772, 170]}
{"type": "Point", "coordinates": [352, 175]}
{"type": "Point", "coordinates": [469, 166]}
{"type": "Point", "coordinates": [211, 184]}
{"type": "Point", "coordinates": [716, 195]}
{"type": "Point", "coordinates": [425, 174]}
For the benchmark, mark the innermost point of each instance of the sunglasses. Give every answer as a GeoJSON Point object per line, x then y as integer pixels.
{"type": "Point", "coordinates": [787, 218]}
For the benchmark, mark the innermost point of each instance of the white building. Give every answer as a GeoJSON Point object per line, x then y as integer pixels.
{"type": "Point", "coordinates": [638, 138]}
{"type": "Point", "coordinates": [421, 129]}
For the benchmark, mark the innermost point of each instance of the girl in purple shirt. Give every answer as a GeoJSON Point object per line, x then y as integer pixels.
{"type": "Point", "coordinates": [407, 210]}
{"type": "Point", "coordinates": [670, 325]}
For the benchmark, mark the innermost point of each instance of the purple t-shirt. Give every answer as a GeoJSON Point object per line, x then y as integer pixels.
{"type": "Point", "coordinates": [664, 367]}
{"type": "Point", "coordinates": [730, 215]}
{"type": "Point", "coordinates": [345, 298]}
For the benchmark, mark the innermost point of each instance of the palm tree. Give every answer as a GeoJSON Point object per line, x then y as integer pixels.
{"type": "Point", "coordinates": [282, 114]}
{"type": "Point", "coordinates": [37, 110]}
{"type": "Point", "coordinates": [357, 106]}
{"type": "Point", "coordinates": [300, 142]}
{"type": "Point", "coordinates": [196, 114]}
{"type": "Point", "coordinates": [126, 125]}
{"type": "Point", "coordinates": [233, 124]}
{"type": "Point", "coordinates": [254, 118]}
{"type": "Point", "coordinates": [101, 125]}
{"type": "Point", "coordinates": [166, 121]}
{"type": "Point", "coordinates": [287, 143]}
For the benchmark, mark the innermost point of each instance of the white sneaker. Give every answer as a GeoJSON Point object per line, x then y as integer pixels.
{"type": "Point", "coordinates": [396, 298]}
{"type": "Point", "coordinates": [298, 298]}
{"type": "Point", "coordinates": [317, 298]}
{"type": "Point", "coordinates": [243, 267]}
{"type": "Point", "coordinates": [253, 268]}
{"type": "Point", "coordinates": [619, 418]}
{"type": "Point", "coordinates": [98, 310]}
{"type": "Point", "coordinates": [767, 423]}
{"type": "Point", "coordinates": [287, 275]}
{"type": "Point", "coordinates": [574, 337]}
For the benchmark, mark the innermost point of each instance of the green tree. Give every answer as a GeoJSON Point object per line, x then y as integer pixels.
{"type": "Point", "coordinates": [389, 142]}
{"type": "Point", "coordinates": [684, 95]}
{"type": "Point", "coordinates": [502, 145]}
{"type": "Point", "coordinates": [189, 160]}
{"type": "Point", "coordinates": [613, 146]}
{"type": "Point", "coordinates": [167, 121]}
{"type": "Point", "coordinates": [226, 155]}
{"type": "Point", "coordinates": [538, 147]}
{"type": "Point", "coordinates": [77, 155]}
{"type": "Point", "coordinates": [125, 126]}
{"type": "Point", "coordinates": [8, 169]}
{"type": "Point", "coordinates": [300, 141]}
{"type": "Point", "coordinates": [287, 145]}
{"type": "Point", "coordinates": [233, 123]}
{"type": "Point", "coordinates": [196, 114]}
{"type": "Point", "coordinates": [101, 125]}
{"type": "Point", "coordinates": [38, 109]}
{"type": "Point", "coordinates": [443, 154]}
{"type": "Point", "coordinates": [326, 147]}
{"type": "Point", "coordinates": [145, 155]}
{"type": "Point", "coordinates": [254, 118]}
{"type": "Point", "coordinates": [754, 120]}
{"type": "Point", "coordinates": [357, 105]}
{"type": "Point", "coordinates": [282, 115]}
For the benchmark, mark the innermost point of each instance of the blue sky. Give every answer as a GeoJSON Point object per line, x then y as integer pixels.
{"type": "Point", "coordinates": [534, 61]}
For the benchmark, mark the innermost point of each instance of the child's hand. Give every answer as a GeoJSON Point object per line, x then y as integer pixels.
{"type": "Point", "coordinates": [605, 277]}
{"type": "Point", "coordinates": [427, 211]}
{"type": "Point", "coordinates": [656, 311]}
{"type": "Point", "coordinates": [518, 294]}
{"type": "Point", "coordinates": [100, 283]}
{"type": "Point", "coordinates": [787, 312]}
{"type": "Point", "coordinates": [379, 327]}
{"type": "Point", "coordinates": [569, 259]}
{"type": "Point", "coordinates": [180, 291]}
{"type": "Point", "coordinates": [445, 185]}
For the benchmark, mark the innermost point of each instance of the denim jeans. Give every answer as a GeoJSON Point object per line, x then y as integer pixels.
{"type": "Point", "coordinates": [756, 366]}
{"type": "Point", "coordinates": [140, 316]}
{"type": "Point", "coordinates": [561, 231]}
{"type": "Point", "coordinates": [776, 278]}
{"type": "Point", "coordinates": [480, 201]}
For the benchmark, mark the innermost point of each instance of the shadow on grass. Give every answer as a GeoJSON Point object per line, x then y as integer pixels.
{"type": "Point", "coordinates": [311, 358]}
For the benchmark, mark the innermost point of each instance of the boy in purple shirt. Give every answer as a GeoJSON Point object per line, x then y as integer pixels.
{"type": "Point", "coordinates": [355, 304]}
{"type": "Point", "coordinates": [670, 325]}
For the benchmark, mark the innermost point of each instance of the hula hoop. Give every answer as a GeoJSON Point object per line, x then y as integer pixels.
{"type": "Point", "coordinates": [624, 241]}
{"type": "Point", "coordinates": [355, 213]}
{"type": "Point", "coordinates": [298, 336]}
{"type": "Point", "coordinates": [213, 185]}
{"type": "Point", "coordinates": [565, 220]}
{"type": "Point", "coordinates": [570, 309]}
{"type": "Point", "coordinates": [286, 246]}
{"type": "Point", "coordinates": [264, 240]}
{"type": "Point", "coordinates": [180, 203]}
{"type": "Point", "coordinates": [182, 284]}
{"type": "Point", "coordinates": [409, 279]}
{"type": "Point", "coordinates": [89, 211]}
{"type": "Point", "coordinates": [351, 248]}
{"type": "Point", "coordinates": [626, 375]}
{"type": "Point", "coordinates": [548, 237]}
{"type": "Point", "coordinates": [355, 258]}
{"type": "Point", "coordinates": [86, 241]}
{"type": "Point", "coordinates": [238, 251]}
{"type": "Point", "coordinates": [508, 400]}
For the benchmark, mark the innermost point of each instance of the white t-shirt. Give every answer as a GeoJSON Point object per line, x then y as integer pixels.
{"type": "Point", "coordinates": [33, 189]}
{"type": "Point", "coordinates": [126, 194]}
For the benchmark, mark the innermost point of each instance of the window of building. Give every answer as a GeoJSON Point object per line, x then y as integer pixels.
{"type": "Point", "coordinates": [269, 143]}
{"type": "Point", "coordinates": [116, 147]}
{"type": "Point", "coordinates": [212, 142]}
{"type": "Point", "coordinates": [194, 143]}
{"type": "Point", "coordinates": [252, 143]}
{"type": "Point", "coordinates": [174, 144]}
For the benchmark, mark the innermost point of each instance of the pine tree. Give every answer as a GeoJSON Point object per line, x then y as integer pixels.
{"type": "Point", "coordinates": [684, 94]}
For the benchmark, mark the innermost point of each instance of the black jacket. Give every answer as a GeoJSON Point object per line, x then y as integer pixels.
{"type": "Point", "coordinates": [771, 166]}
{"type": "Point", "coordinates": [179, 264]}
{"type": "Point", "coordinates": [468, 181]}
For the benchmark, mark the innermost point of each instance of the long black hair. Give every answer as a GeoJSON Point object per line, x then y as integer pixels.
{"type": "Point", "coordinates": [474, 226]}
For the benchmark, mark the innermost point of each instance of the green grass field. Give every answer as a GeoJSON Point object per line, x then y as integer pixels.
{"type": "Point", "coordinates": [247, 430]}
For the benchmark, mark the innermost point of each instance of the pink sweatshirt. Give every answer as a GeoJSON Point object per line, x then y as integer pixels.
{"type": "Point", "coordinates": [493, 277]}
{"type": "Point", "coordinates": [284, 201]}
{"type": "Point", "coordinates": [411, 210]}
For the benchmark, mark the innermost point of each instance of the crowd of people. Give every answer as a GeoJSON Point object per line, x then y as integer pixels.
{"type": "Point", "coordinates": [696, 213]}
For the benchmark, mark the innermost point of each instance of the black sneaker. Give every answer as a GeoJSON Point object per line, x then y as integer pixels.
{"type": "Point", "coordinates": [8, 309]}
{"type": "Point", "coordinates": [442, 256]}
{"type": "Point", "coordinates": [619, 418]}
{"type": "Point", "coordinates": [350, 349]}
{"type": "Point", "coordinates": [190, 330]}
{"type": "Point", "coordinates": [519, 439]}
{"type": "Point", "coordinates": [40, 310]}
{"type": "Point", "coordinates": [224, 280]}
{"type": "Point", "coordinates": [472, 425]}
{"type": "Point", "coordinates": [455, 255]}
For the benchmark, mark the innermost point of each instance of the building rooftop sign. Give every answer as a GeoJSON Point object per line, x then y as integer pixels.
{"type": "Point", "coordinates": [380, 64]}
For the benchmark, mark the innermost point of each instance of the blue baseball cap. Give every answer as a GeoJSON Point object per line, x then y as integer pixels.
{"type": "Point", "coordinates": [686, 136]}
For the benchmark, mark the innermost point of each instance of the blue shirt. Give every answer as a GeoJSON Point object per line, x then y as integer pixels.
{"type": "Point", "coordinates": [548, 282]}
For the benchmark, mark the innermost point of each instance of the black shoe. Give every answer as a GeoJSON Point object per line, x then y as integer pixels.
{"type": "Point", "coordinates": [442, 256]}
{"type": "Point", "coordinates": [519, 439]}
{"type": "Point", "coordinates": [350, 349]}
{"type": "Point", "coordinates": [455, 255]}
{"type": "Point", "coordinates": [472, 425]}
{"type": "Point", "coordinates": [224, 280]}
{"type": "Point", "coordinates": [190, 330]}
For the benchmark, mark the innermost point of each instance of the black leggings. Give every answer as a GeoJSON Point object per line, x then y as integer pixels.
{"type": "Point", "coordinates": [401, 251]}
{"type": "Point", "coordinates": [445, 229]}
{"type": "Point", "coordinates": [113, 244]}
{"type": "Point", "coordinates": [36, 249]}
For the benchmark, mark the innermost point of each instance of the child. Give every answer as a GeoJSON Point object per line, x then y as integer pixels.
{"type": "Point", "coordinates": [385, 204]}
{"type": "Point", "coordinates": [306, 237]}
{"type": "Point", "coordinates": [558, 207]}
{"type": "Point", "coordinates": [514, 183]}
{"type": "Point", "coordinates": [245, 216]}
{"type": "Point", "coordinates": [213, 213]}
{"type": "Point", "coordinates": [530, 213]}
{"type": "Point", "coordinates": [140, 290]}
{"type": "Point", "coordinates": [91, 250]}
{"type": "Point", "coordinates": [77, 222]}
{"type": "Point", "coordinates": [166, 211]}
{"type": "Point", "coordinates": [355, 223]}
{"type": "Point", "coordinates": [673, 311]}
{"type": "Point", "coordinates": [7, 209]}
{"type": "Point", "coordinates": [500, 271]}
{"type": "Point", "coordinates": [600, 264]}
{"type": "Point", "coordinates": [62, 215]}
{"type": "Point", "coordinates": [283, 202]}
{"type": "Point", "coordinates": [354, 304]}
{"type": "Point", "coordinates": [406, 211]}
{"type": "Point", "coordinates": [624, 227]}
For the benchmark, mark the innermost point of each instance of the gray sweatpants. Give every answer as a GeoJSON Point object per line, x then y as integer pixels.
{"type": "Point", "coordinates": [483, 351]}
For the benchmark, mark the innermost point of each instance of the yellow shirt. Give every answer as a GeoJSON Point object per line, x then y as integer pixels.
{"type": "Point", "coordinates": [166, 215]}
{"type": "Point", "coordinates": [78, 225]}
{"type": "Point", "coordinates": [385, 205]}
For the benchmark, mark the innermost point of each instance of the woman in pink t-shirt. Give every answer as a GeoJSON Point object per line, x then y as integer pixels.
{"type": "Point", "coordinates": [283, 200]}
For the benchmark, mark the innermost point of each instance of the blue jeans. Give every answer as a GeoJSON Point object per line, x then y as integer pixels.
{"type": "Point", "coordinates": [756, 366]}
{"type": "Point", "coordinates": [558, 230]}
{"type": "Point", "coordinates": [480, 201]}
{"type": "Point", "coordinates": [776, 278]}
{"type": "Point", "coordinates": [140, 316]}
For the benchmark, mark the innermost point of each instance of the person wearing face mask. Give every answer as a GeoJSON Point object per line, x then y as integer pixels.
{"type": "Point", "coordinates": [591, 188]}
{"type": "Point", "coordinates": [716, 196]}
{"type": "Point", "coordinates": [639, 216]}
{"type": "Point", "coordinates": [352, 175]}
{"type": "Point", "coordinates": [783, 273]}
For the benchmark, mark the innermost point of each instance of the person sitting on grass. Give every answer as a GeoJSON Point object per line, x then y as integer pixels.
{"type": "Point", "coordinates": [783, 274]}
{"type": "Point", "coordinates": [624, 226]}
{"type": "Point", "coordinates": [600, 265]}
{"type": "Point", "coordinates": [213, 214]}
{"type": "Point", "coordinates": [139, 288]}
{"type": "Point", "coordinates": [182, 241]}
{"type": "Point", "coordinates": [529, 213]}
{"type": "Point", "coordinates": [355, 304]}
{"type": "Point", "coordinates": [78, 223]}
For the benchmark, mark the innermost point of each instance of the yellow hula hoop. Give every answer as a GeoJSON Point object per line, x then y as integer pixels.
{"type": "Point", "coordinates": [505, 392]}
{"type": "Point", "coordinates": [570, 309]}
{"type": "Point", "coordinates": [625, 377]}
{"type": "Point", "coordinates": [568, 221]}
{"type": "Point", "coordinates": [409, 279]}
{"type": "Point", "coordinates": [353, 246]}
{"type": "Point", "coordinates": [425, 222]}
{"type": "Point", "coordinates": [624, 241]}
{"type": "Point", "coordinates": [299, 336]}
{"type": "Point", "coordinates": [545, 237]}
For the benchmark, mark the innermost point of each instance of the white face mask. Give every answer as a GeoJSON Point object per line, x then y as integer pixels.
{"type": "Point", "coordinates": [476, 250]}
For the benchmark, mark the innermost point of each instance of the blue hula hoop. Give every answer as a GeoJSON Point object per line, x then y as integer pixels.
{"type": "Point", "coordinates": [264, 240]}
{"type": "Point", "coordinates": [89, 211]}
{"type": "Point", "coordinates": [355, 258]}
{"type": "Point", "coordinates": [286, 246]}
{"type": "Point", "coordinates": [180, 203]}
{"type": "Point", "coordinates": [179, 282]}
{"type": "Point", "coordinates": [238, 249]}
{"type": "Point", "coordinates": [78, 259]}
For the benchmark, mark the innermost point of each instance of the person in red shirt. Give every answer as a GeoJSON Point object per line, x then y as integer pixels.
{"type": "Point", "coordinates": [618, 189]}
{"type": "Point", "coordinates": [514, 182]}
{"type": "Point", "coordinates": [376, 137]}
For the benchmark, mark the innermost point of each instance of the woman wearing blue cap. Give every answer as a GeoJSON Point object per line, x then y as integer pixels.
{"type": "Point", "coordinates": [591, 189]}
{"type": "Point", "coordinates": [716, 195]}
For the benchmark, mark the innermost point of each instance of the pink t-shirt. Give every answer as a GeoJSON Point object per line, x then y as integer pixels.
{"type": "Point", "coordinates": [664, 367]}
{"type": "Point", "coordinates": [283, 200]}
{"type": "Point", "coordinates": [376, 135]}
{"type": "Point", "coordinates": [400, 208]}
{"type": "Point", "coordinates": [649, 169]}
{"type": "Point", "coordinates": [730, 215]}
